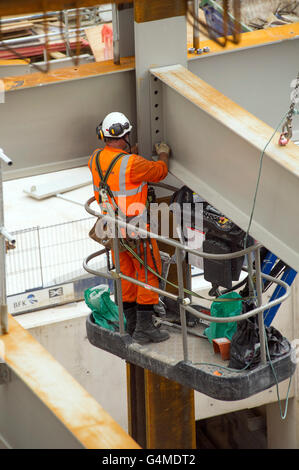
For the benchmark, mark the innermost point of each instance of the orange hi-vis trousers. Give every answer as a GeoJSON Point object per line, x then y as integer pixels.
{"type": "Point", "coordinates": [131, 267]}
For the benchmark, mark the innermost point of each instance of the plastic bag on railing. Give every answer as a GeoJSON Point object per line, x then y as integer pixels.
{"type": "Point", "coordinates": [104, 310]}
{"type": "Point", "coordinates": [245, 344]}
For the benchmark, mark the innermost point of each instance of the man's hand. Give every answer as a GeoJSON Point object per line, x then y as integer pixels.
{"type": "Point", "coordinates": [163, 151]}
{"type": "Point", "coordinates": [162, 148]}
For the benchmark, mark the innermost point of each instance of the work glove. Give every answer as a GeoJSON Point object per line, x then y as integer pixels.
{"type": "Point", "coordinates": [162, 148]}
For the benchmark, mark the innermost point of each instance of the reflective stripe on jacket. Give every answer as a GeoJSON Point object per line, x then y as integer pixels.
{"type": "Point", "coordinates": [130, 197]}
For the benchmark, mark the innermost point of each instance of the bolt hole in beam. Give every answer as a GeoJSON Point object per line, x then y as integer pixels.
{"type": "Point", "coordinates": [157, 133]}
{"type": "Point", "coordinates": [224, 167]}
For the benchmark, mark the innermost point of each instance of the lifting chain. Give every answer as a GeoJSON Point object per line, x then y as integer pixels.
{"type": "Point", "coordinates": [287, 128]}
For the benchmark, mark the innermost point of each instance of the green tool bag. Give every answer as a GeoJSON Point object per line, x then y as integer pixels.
{"type": "Point", "coordinates": [224, 309]}
{"type": "Point", "coordinates": [104, 310]}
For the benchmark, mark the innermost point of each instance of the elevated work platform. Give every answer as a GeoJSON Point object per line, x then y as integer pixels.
{"type": "Point", "coordinates": [43, 407]}
{"type": "Point", "coordinates": [205, 372]}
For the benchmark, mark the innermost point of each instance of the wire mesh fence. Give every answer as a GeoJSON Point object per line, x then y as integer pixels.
{"type": "Point", "coordinates": [49, 256]}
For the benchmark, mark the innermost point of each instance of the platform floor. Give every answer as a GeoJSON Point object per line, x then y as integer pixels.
{"type": "Point", "coordinates": [201, 371]}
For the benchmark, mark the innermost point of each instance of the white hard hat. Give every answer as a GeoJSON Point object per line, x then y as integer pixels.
{"type": "Point", "coordinates": [115, 125]}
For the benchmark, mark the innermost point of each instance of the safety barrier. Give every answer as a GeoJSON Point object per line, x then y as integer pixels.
{"type": "Point", "coordinates": [47, 256]}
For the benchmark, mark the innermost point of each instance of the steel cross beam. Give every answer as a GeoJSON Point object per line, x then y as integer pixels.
{"type": "Point", "coordinates": [216, 151]}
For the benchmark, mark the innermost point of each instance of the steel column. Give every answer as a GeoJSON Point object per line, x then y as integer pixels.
{"type": "Point", "coordinates": [196, 38]}
{"type": "Point", "coordinates": [179, 262]}
{"type": "Point", "coordinates": [136, 404]}
{"type": "Point", "coordinates": [169, 406]}
{"type": "Point", "coordinates": [157, 43]}
{"type": "Point", "coordinates": [116, 45]}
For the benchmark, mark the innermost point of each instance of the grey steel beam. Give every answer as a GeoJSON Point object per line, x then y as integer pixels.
{"type": "Point", "coordinates": [26, 422]}
{"type": "Point", "coordinates": [249, 76]}
{"type": "Point", "coordinates": [126, 31]}
{"type": "Point", "coordinates": [52, 127]}
{"type": "Point", "coordinates": [217, 148]}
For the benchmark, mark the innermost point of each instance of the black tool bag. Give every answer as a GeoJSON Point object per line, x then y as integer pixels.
{"type": "Point", "coordinates": [245, 344]}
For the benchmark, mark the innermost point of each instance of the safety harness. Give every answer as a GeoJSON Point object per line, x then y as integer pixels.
{"type": "Point", "coordinates": [103, 179]}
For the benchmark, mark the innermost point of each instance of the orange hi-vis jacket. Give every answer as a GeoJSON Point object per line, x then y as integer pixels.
{"type": "Point", "coordinates": [128, 179]}
{"type": "Point", "coordinates": [128, 182]}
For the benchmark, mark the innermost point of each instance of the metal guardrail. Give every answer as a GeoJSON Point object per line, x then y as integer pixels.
{"type": "Point", "coordinates": [48, 256]}
{"type": "Point", "coordinates": [185, 302]}
{"type": "Point", "coordinates": [65, 32]}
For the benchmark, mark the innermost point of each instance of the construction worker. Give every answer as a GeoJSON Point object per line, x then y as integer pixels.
{"type": "Point", "coordinates": [127, 183]}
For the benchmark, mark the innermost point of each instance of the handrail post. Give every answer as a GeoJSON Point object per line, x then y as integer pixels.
{"type": "Point", "coordinates": [118, 281]}
{"type": "Point", "coordinates": [250, 274]}
{"type": "Point", "coordinates": [259, 292]}
{"type": "Point", "coordinates": [179, 260]}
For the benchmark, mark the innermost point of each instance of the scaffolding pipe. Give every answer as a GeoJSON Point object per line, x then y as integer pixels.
{"type": "Point", "coordinates": [196, 38]}
{"type": "Point", "coordinates": [66, 33]}
{"type": "Point", "coordinates": [116, 43]}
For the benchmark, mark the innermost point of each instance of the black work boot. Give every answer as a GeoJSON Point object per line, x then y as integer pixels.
{"type": "Point", "coordinates": [145, 331]}
{"type": "Point", "coordinates": [130, 312]}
